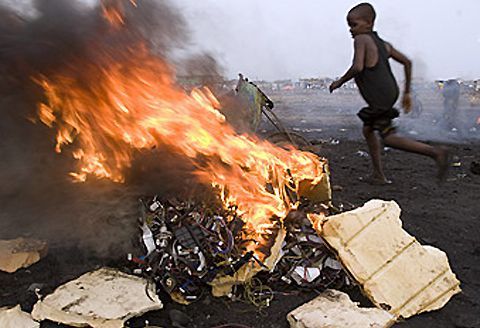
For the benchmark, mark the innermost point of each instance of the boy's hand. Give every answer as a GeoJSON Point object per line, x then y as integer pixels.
{"type": "Point", "coordinates": [335, 85]}
{"type": "Point", "coordinates": [407, 103]}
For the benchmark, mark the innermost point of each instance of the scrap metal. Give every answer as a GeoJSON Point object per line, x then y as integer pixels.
{"type": "Point", "coordinates": [189, 247]}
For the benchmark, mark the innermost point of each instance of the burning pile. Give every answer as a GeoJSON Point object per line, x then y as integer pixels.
{"type": "Point", "coordinates": [110, 93]}
{"type": "Point", "coordinates": [117, 97]}
{"type": "Point", "coordinates": [119, 100]}
{"type": "Point", "coordinates": [189, 246]}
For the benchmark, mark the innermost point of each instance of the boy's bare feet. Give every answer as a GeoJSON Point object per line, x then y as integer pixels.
{"type": "Point", "coordinates": [442, 160]}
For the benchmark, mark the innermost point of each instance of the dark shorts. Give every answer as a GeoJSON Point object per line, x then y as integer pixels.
{"type": "Point", "coordinates": [380, 120]}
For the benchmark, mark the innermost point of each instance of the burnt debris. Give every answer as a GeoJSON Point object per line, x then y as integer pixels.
{"type": "Point", "coordinates": [185, 245]}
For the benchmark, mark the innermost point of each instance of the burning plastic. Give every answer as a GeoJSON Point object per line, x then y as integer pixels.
{"type": "Point", "coordinates": [191, 245]}
{"type": "Point", "coordinates": [197, 245]}
{"type": "Point", "coordinates": [120, 96]}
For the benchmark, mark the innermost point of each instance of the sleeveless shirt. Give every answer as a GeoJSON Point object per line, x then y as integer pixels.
{"type": "Point", "coordinates": [378, 86]}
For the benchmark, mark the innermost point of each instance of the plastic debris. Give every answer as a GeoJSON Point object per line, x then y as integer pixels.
{"type": "Point", "coordinates": [316, 190]}
{"type": "Point", "coordinates": [16, 318]}
{"type": "Point", "coordinates": [395, 271]}
{"type": "Point", "coordinates": [20, 253]}
{"type": "Point", "coordinates": [199, 247]}
{"type": "Point", "coordinates": [307, 274]}
{"type": "Point", "coordinates": [100, 299]}
{"type": "Point", "coordinates": [362, 153]}
{"type": "Point", "coordinates": [189, 247]}
{"type": "Point", "coordinates": [334, 309]}
{"type": "Point", "coordinates": [307, 261]}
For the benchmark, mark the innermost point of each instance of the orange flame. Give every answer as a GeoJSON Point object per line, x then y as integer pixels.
{"type": "Point", "coordinates": [113, 12]}
{"type": "Point", "coordinates": [128, 100]}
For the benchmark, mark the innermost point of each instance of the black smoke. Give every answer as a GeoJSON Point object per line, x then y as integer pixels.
{"type": "Point", "coordinates": [37, 197]}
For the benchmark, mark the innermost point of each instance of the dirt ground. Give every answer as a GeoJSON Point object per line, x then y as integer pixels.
{"type": "Point", "coordinates": [92, 225]}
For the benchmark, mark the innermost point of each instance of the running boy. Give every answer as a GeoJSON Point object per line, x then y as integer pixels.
{"type": "Point", "coordinates": [378, 87]}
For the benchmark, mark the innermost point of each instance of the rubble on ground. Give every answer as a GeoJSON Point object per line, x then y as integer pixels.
{"type": "Point", "coordinates": [334, 309]}
{"type": "Point", "coordinates": [189, 247]}
{"type": "Point", "coordinates": [104, 298]}
{"type": "Point", "coordinates": [14, 317]}
{"type": "Point", "coordinates": [20, 253]}
{"type": "Point", "coordinates": [192, 248]}
{"type": "Point", "coordinates": [394, 270]}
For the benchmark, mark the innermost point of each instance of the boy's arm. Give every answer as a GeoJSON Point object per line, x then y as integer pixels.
{"type": "Point", "coordinates": [407, 66]}
{"type": "Point", "coordinates": [359, 46]}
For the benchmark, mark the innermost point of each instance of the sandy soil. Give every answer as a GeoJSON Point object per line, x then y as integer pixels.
{"type": "Point", "coordinates": [91, 225]}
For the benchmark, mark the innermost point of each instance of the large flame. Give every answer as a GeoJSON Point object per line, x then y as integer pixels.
{"type": "Point", "coordinates": [126, 99]}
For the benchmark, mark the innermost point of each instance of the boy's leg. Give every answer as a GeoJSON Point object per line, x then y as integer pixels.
{"type": "Point", "coordinates": [374, 148]}
{"type": "Point", "coordinates": [439, 154]}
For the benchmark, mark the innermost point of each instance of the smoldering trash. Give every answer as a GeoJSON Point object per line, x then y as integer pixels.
{"type": "Point", "coordinates": [189, 249]}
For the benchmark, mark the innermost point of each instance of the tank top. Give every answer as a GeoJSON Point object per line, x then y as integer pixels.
{"type": "Point", "coordinates": [376, 84]}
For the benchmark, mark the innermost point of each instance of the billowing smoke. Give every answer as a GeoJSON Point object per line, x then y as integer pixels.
{"type": "Point", "coordinates": [36, 195]}
{"type": "Point", "coordinates": [204, 67]}
{"type": "Point", "coordinates": [54, 32]}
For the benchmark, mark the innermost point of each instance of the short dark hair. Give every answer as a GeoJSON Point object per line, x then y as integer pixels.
{"type": "Point", "coordinates": [365, 10]}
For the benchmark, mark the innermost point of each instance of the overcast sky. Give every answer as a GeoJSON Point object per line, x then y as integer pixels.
{"type": "Point", "coordinates": [273, 39]}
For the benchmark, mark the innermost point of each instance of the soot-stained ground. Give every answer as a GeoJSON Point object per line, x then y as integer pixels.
{"type": "Point", "coordinates": [89, 225]}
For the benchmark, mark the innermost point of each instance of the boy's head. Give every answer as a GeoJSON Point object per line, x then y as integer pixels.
{"type": "Point", "coordinates": [361, 18]}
